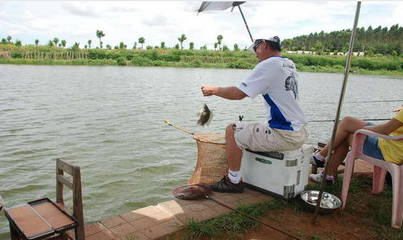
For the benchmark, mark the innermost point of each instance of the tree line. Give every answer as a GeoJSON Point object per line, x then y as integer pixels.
{"type": "Point", "coordinates": [56, 42]}
{"type": "Point", "coordinates": [379, 40]}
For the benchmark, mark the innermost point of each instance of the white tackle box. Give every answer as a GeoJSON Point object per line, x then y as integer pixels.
{"type": "Point", "coordinates": [283, 174]}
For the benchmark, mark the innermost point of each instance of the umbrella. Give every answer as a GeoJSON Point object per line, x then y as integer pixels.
{"type": "Point", "coordinates": [208, 5]}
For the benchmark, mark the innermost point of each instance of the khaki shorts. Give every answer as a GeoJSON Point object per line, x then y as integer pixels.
{"type": "Point", "coordinates": [259, 137]}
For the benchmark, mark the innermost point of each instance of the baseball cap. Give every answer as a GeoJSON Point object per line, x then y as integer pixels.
{"type": "Point", "coordinates": [256, 43]}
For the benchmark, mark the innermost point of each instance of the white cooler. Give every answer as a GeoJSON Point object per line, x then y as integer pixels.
{"type": "Point", "coordinates": [283, 174]}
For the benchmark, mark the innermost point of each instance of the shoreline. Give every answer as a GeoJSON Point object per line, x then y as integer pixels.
{"type": "Point", "coordinates": [111, 62]}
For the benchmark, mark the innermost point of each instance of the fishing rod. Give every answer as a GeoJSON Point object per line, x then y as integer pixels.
{"type": "Point", "coordinates": [339, 108]}
{"type": "Point", "coordinates": [365, 119]}
{"type": "Point", "coordinates": [369, 101]}
{"type": "Point", "coordinates": [199, 191]}
{"type": "Point", "coordinates": [252, 218]}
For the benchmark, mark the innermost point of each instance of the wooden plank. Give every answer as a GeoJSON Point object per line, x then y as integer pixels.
{"type": "Point", "coordinates": [53, 215]}
{"type": "Point", "coordinates": [65, 181]}
{"type": "Point", "coordinates": [78, 204]}
{"type": "Point", "coordinates": [59, 187]}
{"type": "Point", "coordinates": [28, 221]}
{"type": "Point", "coordinates": [60, 164]}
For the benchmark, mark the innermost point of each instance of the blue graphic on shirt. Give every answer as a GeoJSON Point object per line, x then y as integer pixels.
{"type": "Point", "coordinates": [277, 120]}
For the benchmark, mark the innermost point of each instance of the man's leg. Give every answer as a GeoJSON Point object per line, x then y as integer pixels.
{"type": "Point", "coordinates": [232, 151]}
{"type": "Point", "coordinates": [231, 183]}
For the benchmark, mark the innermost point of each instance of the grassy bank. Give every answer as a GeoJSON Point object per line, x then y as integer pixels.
{"type": "Point", "coordinates": [366, 216]}
{"type": "Point", "coordinates": [9, 54]}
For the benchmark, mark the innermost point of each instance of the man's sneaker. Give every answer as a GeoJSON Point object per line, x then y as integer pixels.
{"type": "Point", "coordinates": [225, 185]}
{"type": "Point", "coordinates": [318, 178]}
{"type": "Point", "coordinates": [318, 163]}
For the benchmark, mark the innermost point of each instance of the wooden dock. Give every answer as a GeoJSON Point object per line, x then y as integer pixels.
{"type": "Point", "coordinates": [166, 218]}
{"type": "Point", "coordinates": [163, 219]}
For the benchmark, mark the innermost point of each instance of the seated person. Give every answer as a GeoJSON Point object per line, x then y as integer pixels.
{"type": "Point", "coordinates": [276, 79]}
{"type": "Point", "coordinates": [388, 150]}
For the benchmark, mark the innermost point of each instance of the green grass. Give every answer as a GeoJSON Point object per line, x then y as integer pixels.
{"type": "Point", "coordinates": [379, 65]}
{"type": "Point", "coordinates": [374, 212]}
{"type": "Point", "coordinates": [232, 223]}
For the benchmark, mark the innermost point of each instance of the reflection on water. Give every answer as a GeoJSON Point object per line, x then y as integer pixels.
{"type": "Point", "coordinates": [109, 121]}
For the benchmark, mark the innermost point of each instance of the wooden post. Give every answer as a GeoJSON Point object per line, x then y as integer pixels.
{"type": "Point", "coordinates": [75, 186]}
{"type": "Point", "coordinates": [78, 203]}
{"type": "Point", "coordinates": [59, 185]}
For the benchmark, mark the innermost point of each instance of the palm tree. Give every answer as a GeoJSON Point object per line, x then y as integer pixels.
{"type": "Point", "coordinates": [89, 43]}
{"type": "Point", "coordinates": [181, 39]}
{"type": "Point", "coordinates": [9, 39]}
{"type": "Point", "coordinates": [219, 40]}
{"type": "Point", "coordinates": [55, 40]}
{"type": "Point", "coordinates": [236, 47]}
{"type": "Point", "coordinates": [63, 42]}
{"type": "Point", "coordinates": [215, 46]}
{"type": "Point", "coordinates": [76, 46]}
{"type": "Point", "coordinates": [191, 45]}
{"type": "Point", "coordinates": [162, 45]}
{"type": "Point", "coordinates": [100, 34]}
{"type": "Point", "coordinates": [142, 41]}
{"type": "Point", "coordinates": [122, 45]}
{"type": "Point", "coordinates": [36, 42]}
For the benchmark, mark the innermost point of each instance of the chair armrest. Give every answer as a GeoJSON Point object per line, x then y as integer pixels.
{"type": "Point", "coordinates": [371, 133]}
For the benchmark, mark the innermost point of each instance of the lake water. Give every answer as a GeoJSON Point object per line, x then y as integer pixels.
{"type": "Point", "coordinates": [109, 121]}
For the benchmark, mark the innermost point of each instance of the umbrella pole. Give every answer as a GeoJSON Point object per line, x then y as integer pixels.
{"type": "Point", "coordinates": [339, 108]}
{"type": "Point", "coordinates": [246, 24]}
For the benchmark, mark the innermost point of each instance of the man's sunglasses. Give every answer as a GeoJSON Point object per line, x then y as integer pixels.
{"type": "Point", "coordinates": [257, 43]}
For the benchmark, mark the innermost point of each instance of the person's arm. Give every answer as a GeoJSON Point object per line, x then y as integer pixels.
{"type": "Point", "coordinates": [385, 128]}
{"type": "Point", "coordinates": [231, 93]}
{"type": "Point", "coordinates": [398, 109]}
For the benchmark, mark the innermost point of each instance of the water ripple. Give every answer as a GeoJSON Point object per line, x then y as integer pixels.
{"type": "Point", "coordinates": [109, 121]}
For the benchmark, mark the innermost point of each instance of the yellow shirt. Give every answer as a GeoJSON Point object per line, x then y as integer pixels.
{"type": "Point", "coordinates": [392, 151]}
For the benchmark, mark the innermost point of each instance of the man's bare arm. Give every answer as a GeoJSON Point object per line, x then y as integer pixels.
{"type": "Point", "coordinates": [231, 93]}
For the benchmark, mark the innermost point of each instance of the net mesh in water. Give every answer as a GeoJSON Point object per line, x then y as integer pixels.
{"type": "Point", "coordinates": [211, 163]}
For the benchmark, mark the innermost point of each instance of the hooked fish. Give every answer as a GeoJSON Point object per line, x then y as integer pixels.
{"type": "Point", "coordinates": [205, 115]}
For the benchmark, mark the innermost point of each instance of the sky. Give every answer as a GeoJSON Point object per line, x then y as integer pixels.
{"type": "Point", "coordinates": [157, 21]}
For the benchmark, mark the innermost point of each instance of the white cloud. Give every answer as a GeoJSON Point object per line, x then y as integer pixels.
{"type": "Point", "coordinates": [158, 21]}
{"type": "Point", "coordinates": [80, 10]}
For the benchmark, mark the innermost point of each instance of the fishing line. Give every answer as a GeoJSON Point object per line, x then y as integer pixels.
{"type": "Point", "coordinates": [369, 101]}
{"type": "Point", "coordinates": [252, 218]}
{"type": "Point", "coordinates": [365, 119]}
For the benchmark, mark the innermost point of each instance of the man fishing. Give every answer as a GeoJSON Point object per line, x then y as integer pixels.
{"type": "Point", "coordinates": [276, 79]}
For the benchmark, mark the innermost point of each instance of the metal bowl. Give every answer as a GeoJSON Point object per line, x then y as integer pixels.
{"type": "Point", "coordinates": [328, 204]}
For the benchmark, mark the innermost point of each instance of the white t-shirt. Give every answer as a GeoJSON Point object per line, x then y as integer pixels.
{"type": "Point", "coordinates": [276, 79]}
